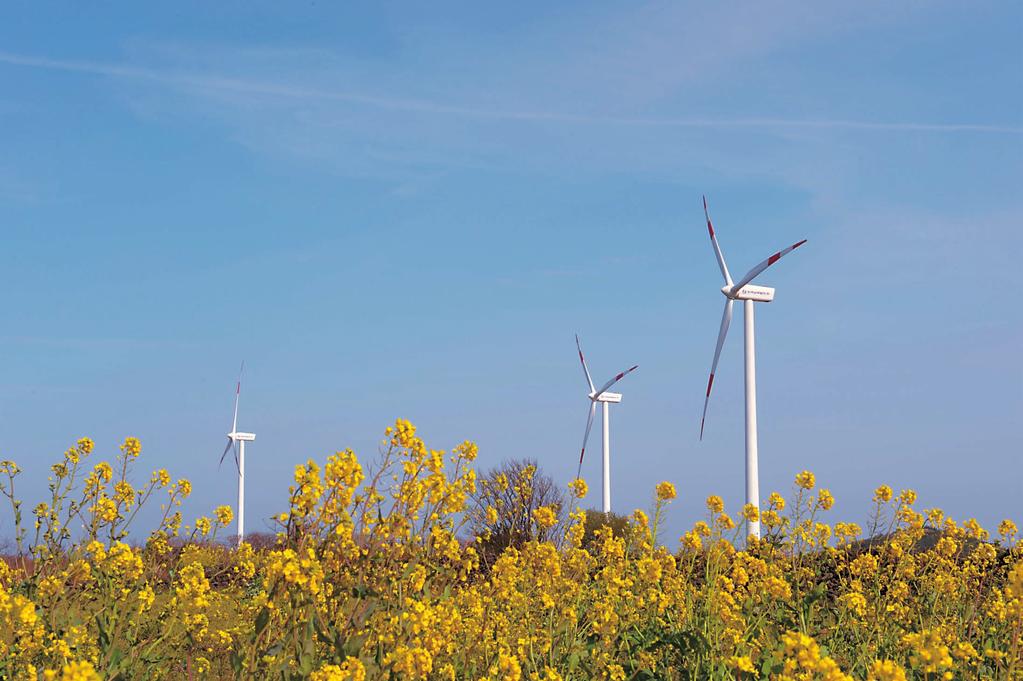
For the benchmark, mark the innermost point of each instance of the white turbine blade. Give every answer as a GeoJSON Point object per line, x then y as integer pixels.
{"type": "Point", "coordinates": [230, 441]}
{"type": "Point", "coordinates": [586, 436]}
{"type": "Point", "coordinates": [717, 248]}
{"type": "Point", "coordinates": [614, 380]}
{"type": "Point", "coordinates": [726, 319]}
{"type": "Point", "coordinates": [237, 395]}
{"type": "Point", "coordinates": [583, 360]}
{"type": "Point", "coordinates": [764, 265]}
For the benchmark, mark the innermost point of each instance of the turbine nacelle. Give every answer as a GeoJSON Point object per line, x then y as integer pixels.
{"type": "Point", "coordinates": [242, 437]}
{"type": "Point", "coordinates": [759, 294]}
{"type": "Point", "coordinates": [605, 397]}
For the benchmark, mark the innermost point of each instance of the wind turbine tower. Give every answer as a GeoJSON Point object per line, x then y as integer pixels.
{"type": "Point", "coordinates": [749, 295]}
{"type": "Point", "coordinates": [237, 440]}
{"type": "Point", "coordinates": [606, 399]}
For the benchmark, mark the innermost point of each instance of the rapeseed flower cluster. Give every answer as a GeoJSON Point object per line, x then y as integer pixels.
{"type": "Point", "coordinates": [372, 575]}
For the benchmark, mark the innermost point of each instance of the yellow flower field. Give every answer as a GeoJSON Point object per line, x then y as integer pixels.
{"type": "Point", "coordinates": [373, 576]}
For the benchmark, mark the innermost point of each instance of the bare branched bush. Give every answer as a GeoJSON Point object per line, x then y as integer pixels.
{"type": "Point", "coordinates": [515, 503]}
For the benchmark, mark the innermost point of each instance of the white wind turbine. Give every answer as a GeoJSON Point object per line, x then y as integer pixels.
{"type": "Point", "coordinates": [606, 399]}
{"type": "Point", "coordinates": [237, 440]}
{"type": "Point", "coordinates": [748, 294]}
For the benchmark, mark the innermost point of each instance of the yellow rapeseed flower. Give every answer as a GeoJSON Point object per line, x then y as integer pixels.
{"type": "Point", "coordinates": [131, 447]}
{"type": "Point", "coordinates": [725, 522]}
{"type": "Point", "coordinates": [886, 670]}
{"type": "Point", "coordinates": [771, 518]}
{"type": "Point", "coordinates": [742, 663]}
{"type": "Point", "coordinates": [806, 480]}
{"type": "Point", "coordinates": [692, 541]}
{"type": "Point", "coordinates": [124, 493]}
{"type": "Point", "coordinates": [508, 668]}
{"type": "Point", "coordinates": [467, 450]}
{"type": "Point", "coordinates": [350, 670]}
{"type": "Point", "coordinates": [545, 517]}
{"type": "Point", "coordinates": [185, 487]}
{"type": "Point", "coordinates": [104, 471]}
{"type": "Point", "coordinates": [579, 488]}
{"type": "Point", "coordinates": [907, 497]}
{"type": "Point", "coordinates": [74, 671]}
{"type": "Point", "coordinates": [224, 515]}
{"type": "Point", "coordinates": [930, 654]}
{"type": "Point", "coordinates": [106, 510]}
{"type": "Point", "coordinates": [1007, 529]}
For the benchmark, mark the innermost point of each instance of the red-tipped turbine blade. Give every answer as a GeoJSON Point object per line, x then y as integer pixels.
{"type": "Point", "coordinates": [614, 380]}
{"type": "Point", "coordinates": [726, 319]}
{"type": "Point", "coordinates": [717, 248]}
{"type": "Point", "coordinates": [764, 265]}
{"type": "Point", "coordinates": [586, 436]}
{"type": "Point", "coordinates": [583, 360]}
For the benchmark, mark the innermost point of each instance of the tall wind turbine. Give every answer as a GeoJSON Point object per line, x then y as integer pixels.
{"type": "Point", "coordinates": [605, 398]}
{"type": "Point", "coordinates": [237, 440]}
{"type": "Point", "coordinates": [748, 294]}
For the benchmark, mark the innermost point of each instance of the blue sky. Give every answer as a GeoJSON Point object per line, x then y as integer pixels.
{"type": "Point", "coordinates": [408, 210]}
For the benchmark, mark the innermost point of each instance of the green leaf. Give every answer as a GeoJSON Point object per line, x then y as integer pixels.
{"type": "Point", "coordinates": [362, 591]}
{"type": "Point", "coordinates": [770, 665]}
{"type": "Point", "coordinates": [236, 663]}
{"type": "Point", "coordinates": [262, 619]}
{"type": "Point", "coordinates": [104, 635]}
{"type": "Point", "coordinates": [815, 595]}
{"type": "Point", "coordinates": [349, 647]}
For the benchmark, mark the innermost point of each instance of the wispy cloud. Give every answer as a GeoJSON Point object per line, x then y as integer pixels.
{"type": "Point", "coordinates": [214, 82]}
{"type": "Point", "coordinates": [98, 343]}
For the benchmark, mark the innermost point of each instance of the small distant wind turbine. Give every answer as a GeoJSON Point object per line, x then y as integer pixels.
{"type": "Point", "coordinates": [748, 294]}
{"type": "Point", "coordinates": [606, 399]}
{"type": "Point", "coordinates": [237, 440]}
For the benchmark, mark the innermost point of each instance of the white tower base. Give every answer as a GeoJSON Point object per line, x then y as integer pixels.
{"type": "Point", "coordinates": [607, 457]}
{"type": "Point", "coordinates": [241, 492]}
{"type": "Point", "coordinates": [241, 439]}
{"type": "Point", "coordinates": [752, 473]}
